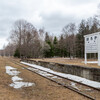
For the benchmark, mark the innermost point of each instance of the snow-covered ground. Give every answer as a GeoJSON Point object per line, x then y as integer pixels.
{"type": "Point", "coordinates": [17, 81]}
{"type": "Point", "coordinates": [69, 76]}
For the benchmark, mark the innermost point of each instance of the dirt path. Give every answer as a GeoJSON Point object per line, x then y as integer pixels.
{"type": "Point", "coordinates": [43, 89]}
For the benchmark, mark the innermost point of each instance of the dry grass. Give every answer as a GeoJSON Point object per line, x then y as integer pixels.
{"type": "Point", "coordinates": [43, 90]}
{"type": "Point", "coordinates": [68, 61]}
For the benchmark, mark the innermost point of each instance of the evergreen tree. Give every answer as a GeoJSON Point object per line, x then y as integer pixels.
{"type": "Point", "coordinates": [62, 47]}
{"type": "Point", "coordinates": [55, 40]}
{"type": "Point", "coordinates": [95, 26]}
{"type": "Point", "coordinates": [47, 38]}
{"type": "Point", "coordinates": [80, 39]}
{"type": "Point", "coordinates": [49, 52]}
{"type": "Point", "coordinates": [55, 46]}
{"type": "Point", "coordinates": [17, 53]}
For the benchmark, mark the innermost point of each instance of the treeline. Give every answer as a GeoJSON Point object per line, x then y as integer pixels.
{"type": "Point", "coordinates": [28, 42]}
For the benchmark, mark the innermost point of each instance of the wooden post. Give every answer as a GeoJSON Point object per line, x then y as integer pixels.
{"type": "Point", "coordinates": [98, 50]}
{"type": "Point", "coordinates": [85, 58]}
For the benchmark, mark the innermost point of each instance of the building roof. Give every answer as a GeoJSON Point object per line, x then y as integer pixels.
{"type": "Point", "coordinates": [96, 33]}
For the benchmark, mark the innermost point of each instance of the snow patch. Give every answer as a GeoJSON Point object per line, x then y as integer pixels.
{"type": "Point", "coordinates": [74, 85]}
{"type": "Point", "coordinates": [11, 71]}
{"type": "Point", "coordinates": [17, 85]}
{"type": "Point", "coordinates": [91, 62]}
{"type": "Point", "coordinates": [16, 78]}
{"type": "Point", "coordinates": [56, 77]}
{"type": "Point", "coordinates": [88, 89]}
{"type": "Point", "coordinates": [69, 76]}
{"type": "Point", "coordinates": [17, 81]}
{"type": "Point", "coordinates": [44, 73]}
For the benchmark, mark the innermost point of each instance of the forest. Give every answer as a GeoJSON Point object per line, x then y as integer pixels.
{"type": "Point", "coordinates": [26, 41]}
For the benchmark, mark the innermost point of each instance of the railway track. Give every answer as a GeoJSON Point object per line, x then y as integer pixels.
{"type": "Point", "coordinates": [84, 90]}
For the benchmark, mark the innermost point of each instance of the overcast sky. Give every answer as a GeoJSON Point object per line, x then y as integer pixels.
{"type": "Point", "coordinates": [53, 15]}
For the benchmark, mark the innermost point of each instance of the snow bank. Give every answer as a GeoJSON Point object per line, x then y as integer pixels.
{"type": "Point", "coordinates": [69, 76]}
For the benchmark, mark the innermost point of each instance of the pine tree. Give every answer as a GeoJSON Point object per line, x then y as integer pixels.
{"type": "Point", "coordinates": [17, 53]}
{"type": "Point", "coordinates": [49, 52]}
{"type": "Point", "coordinates": [95, 25]}
{"type": "Point", "coordinates": [80, 39]}
{"type": "Point", "coordinates": [55, 46]}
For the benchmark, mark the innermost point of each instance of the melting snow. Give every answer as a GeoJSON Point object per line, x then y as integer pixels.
{"type": "Point", "coordinates": [69, 76]}
{"type": "Point", "coordinates": [17, 81]}
{"type": "Point", "coordinates": [74, 85]}
{"type": "Point", "coordinates": [44, 73]}
{"type": "Point", "coordinates": [91, 62]}
{"type": "Point", "coordinates": [56, 77]}
{"type": "Point", "coordinates": [16, 78]}
{"type": "Point", "coordinates": [11, 71]}
{"type": "Point", "coordinates": [21, 84]}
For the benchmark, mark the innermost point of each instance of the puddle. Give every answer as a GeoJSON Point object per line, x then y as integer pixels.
{"type": "Point", "coordinates": [17, 81]}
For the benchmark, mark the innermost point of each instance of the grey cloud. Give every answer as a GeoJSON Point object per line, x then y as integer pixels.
{"type": "Point", "coordinates": [5, 26]}
{"type": "Point", "coordinates": [56, 21]}
{"type": "Point", "coordinates": [3, 34]}
{"type": "Point", "coordinates": [9, 12]}
{"type": "Point", "coordinates": [79, 2]}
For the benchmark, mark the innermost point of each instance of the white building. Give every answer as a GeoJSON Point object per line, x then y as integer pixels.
{"type": "Point", "coordinates": [92, 45]}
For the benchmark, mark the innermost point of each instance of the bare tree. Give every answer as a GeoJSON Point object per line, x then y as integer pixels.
{"type": "Point", "coordinates": [26, 37]}
{"type": "Point", "coordinates": [69, 33]}
{"type": "Point", "coordinates": [17, 32]}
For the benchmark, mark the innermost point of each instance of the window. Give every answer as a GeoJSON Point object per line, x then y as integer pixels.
{"type": "Point", "coordinates": [95, 37]}
{"type": "Point", "coordinates": [87, 39]}
{"type": "Point", "coordinates": [91, 38]}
